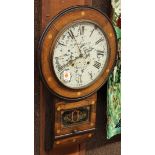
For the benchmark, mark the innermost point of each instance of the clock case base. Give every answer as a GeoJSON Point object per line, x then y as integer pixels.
{"type": "Point", "coordinates": [69, 122]}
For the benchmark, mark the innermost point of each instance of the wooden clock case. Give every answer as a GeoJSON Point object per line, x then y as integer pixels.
{"type": "Point", "coordinates": [72, 120]}
{"type": "Point", "coordinates": [53, 132]}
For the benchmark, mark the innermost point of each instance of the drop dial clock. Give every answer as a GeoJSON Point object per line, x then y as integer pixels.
{"type": "Point", "coordinates": [77, 52]}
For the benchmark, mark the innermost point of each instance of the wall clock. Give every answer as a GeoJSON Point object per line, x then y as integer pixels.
{"type": "Point", "coordinates": [77, 52]}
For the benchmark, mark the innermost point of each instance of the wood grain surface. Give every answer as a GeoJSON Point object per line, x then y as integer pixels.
{"type": "Point", "coordinates": [50, 8]}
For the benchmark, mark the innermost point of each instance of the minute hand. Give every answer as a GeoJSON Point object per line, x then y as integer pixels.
{"type": "Point", "coordinates": [70, 62]}
{"type": "Point", "coordinates": [73, 37]}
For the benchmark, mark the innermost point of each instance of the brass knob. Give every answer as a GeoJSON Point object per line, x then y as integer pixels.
{"type": "Point", "coordinates": [92, 124]}
{"type": "Point", "coordinates": [107, 70]}
{"type": "Point", "coordinates": [50, 36]}
{"type": "Point", "coordinates": [82, 13]}
{"type": "Point", "coordinates": [78, 93]}
{"type": "Point", "coordinates": [58, 108]}
{"type": "Point", "coordinates": [93, 102]}
{"type": "Point", "coordinates": [57, 142]}
{"type": "Point", "coordinates": [90, 135]}
{"type": "Point", "coordinates": [58, 131]}
{"type": "Point", "coordinates": [110, 34]}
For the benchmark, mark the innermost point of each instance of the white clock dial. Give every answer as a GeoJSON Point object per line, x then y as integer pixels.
{"type": "Point", "coordinates": [80, 54]}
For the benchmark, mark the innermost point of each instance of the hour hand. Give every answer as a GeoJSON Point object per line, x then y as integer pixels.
{"type": "Point", "coordinates": [70, 62]}
{"type": "Point", "coordinates": [90, 49]}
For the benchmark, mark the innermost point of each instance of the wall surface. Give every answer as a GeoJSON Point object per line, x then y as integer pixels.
{"type": "Point", "coordinates": [37, 28]}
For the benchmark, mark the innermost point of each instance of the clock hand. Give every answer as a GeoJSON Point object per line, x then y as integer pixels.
{"type": "Point", "coordinates": [90, 49]}
{"type": "Point", "coordinates": [87, 54]}
{"type": "Point", "coordinates": [73, 37]}
{"type": "Point", "coordinates": [70, 62]}
{"type": "Point", "coordinates": [78, 46]}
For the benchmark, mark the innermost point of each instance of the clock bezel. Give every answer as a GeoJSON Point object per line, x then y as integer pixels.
{"type": "Point", "coordinates": [46, 43]}
{"type": "Point", "coordinates": [59, 35]}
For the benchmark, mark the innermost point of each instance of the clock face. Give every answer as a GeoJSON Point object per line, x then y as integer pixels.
{"type": "Point", "coordinates": [80, 54]}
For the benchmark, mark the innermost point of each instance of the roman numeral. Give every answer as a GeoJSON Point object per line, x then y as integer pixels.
{"type": "Point", "coordinates": [79, 79]}
{"type": "Point", "coordinates": [91, 32]}
{"type": "Point", "coordinates": [100, 52]}
{"type": "Point", "coordinates": [61, 44]}
{"type": "Point", "coordinates": [99, 41]}
{"type": "Point", "coordinates": [60, 68]}
{"type": "Point", "coordinates": [97, 64]}
{"type": "Point", "coordinates": [91, 75]}
{"type": "Point", "coordinates": [95, 27]}
{"type": "Point", "coordinates": [81, 30]}
{"type": "Point", "coordinates": [71, 34]}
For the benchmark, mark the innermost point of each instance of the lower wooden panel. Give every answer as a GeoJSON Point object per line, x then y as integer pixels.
{"type": "Point", "coordinates": [74, 150]}
{"type": "Point", "coordinates": [69, 142]}
{"type": "Point", "coordinates": [73, 117]}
